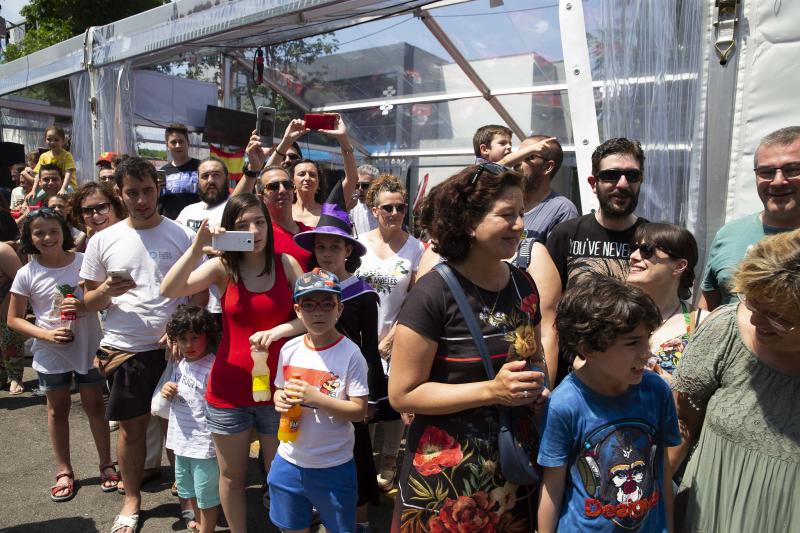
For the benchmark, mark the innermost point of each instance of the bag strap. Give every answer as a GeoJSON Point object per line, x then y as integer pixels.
{"type": "Point", "coordinates": [446, 272]}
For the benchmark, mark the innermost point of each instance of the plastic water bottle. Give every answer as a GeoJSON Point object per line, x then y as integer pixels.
{"type": "Point", "coordinates": [290, 421]}
{"type": "Point", "coordinates": [260, 373]}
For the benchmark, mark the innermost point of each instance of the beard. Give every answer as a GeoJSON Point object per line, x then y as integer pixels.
{"type": "Point", "coordinates": [612, 211]}
{"type": "Point", "coordinates": [215, 196]}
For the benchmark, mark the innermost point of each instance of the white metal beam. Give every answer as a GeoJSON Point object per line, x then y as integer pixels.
{"type": "Point", "coordinates": [22, 105]}
{"type": "Point", "coordinates": [444, 39]}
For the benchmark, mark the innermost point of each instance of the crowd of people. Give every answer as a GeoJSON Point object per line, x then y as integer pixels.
{"type": "Point", "coordinates": [536, 370]}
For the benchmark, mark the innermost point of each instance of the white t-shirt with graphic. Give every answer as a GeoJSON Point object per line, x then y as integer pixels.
{"type": "Point", "coordinates": [340, 371]}
{"type": "Point", "coordinates": [45, 289]}
{"type": "Point", "coordinates": [192, 216]}
{"type": "Point", "coordinates": [137, 320]}
{"type": "Point", "coordinates": [187, 432]}
{"type": "Point", "coordinates": [391, 277]}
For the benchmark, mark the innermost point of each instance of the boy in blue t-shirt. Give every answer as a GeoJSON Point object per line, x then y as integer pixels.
{"type": "Point", "coordinates": [607, 425]}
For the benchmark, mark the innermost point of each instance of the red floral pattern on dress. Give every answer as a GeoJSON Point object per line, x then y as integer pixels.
{"type": "Point", "coordinates": [436, 450]}
{"type": "Point", "coordinates": [529, 304]}
{"type": "Point", "coordinates": [465, 515]}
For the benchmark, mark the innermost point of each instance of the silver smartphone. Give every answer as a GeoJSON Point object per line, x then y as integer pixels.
{"type": "Point", "coordinates": [120, 274]}
{"type": "Point", "coordinates": [234, 241]}
{"type": "Point", "coordinates": [265, 124]}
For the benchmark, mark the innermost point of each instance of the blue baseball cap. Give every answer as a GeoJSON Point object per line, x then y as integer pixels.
{"type": "Point", "coordinates": [318, 280]}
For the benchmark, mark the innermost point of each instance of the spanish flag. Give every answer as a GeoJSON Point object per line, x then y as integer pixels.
{"type": "Point", "coordinates": [234, 161]}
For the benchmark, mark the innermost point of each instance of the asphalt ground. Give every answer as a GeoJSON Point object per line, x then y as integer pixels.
{"type": "Point", "coordinates": [27, 471]}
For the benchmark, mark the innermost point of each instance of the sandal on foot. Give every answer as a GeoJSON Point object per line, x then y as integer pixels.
{"type": "Point", "coordinates": [174, 489]}
{"type": "Point", "coordinates": [15, 388]}
{"type": "Point", "coordinates": [121, 522]}
{"type": "Point", "coordinates": [114, 478]}
{"type": "Point", "coordinates": [69, 487]}
{"type": "Point", "coordinates": [188, 520]}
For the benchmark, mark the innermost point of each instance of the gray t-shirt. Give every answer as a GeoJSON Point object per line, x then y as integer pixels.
{"type": "Point", "coordinates": [553, 210]}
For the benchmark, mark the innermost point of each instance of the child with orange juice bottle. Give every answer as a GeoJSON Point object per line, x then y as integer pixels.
{"type": "Point", "coordinates": [316, 469]}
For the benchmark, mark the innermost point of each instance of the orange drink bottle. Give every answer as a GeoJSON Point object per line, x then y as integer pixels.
{"type": "Point", "coordinates": [290, 421]}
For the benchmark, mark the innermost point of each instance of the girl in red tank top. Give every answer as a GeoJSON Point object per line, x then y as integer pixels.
{"type": "Point", "coordinates": [257, 314]}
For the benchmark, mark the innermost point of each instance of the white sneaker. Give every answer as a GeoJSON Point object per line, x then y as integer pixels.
{"type": "Point", "coordinates": [113, 425]}
{"type": "Point", "coordinates": [387, 473]}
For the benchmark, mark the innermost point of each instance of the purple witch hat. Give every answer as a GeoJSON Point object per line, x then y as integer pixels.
{"type": "Point", "coordinates": [334, 220]}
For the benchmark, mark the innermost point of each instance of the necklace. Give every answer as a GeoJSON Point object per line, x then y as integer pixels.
{"type": "Point", "coordinates": [664, 321]}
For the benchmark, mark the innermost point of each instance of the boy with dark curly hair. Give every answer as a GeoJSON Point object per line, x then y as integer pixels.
{"type": "Point", "coordinates": [608, 424]}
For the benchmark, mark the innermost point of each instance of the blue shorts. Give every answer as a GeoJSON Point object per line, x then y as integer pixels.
{"type": "Point", "coordinates": [294, 491]}
{"type": "Point", "coordinates": [198, 478]}
{"type": "Point", "coordinates": [52, 382]}
{"type": "Point", "coordinates": [233, 420]}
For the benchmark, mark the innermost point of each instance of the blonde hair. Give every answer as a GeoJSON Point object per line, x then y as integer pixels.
{"type": "Point", "coordinates": [770, 272]}
{"type": "Point", "coordinates": [384, 183]}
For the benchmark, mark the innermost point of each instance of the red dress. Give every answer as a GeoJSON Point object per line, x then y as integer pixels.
{"type": "Point", "coordinates": [244, 313]}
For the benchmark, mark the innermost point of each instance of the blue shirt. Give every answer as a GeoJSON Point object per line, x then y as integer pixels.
{"type": "Point", "coordinates": [614, 448]}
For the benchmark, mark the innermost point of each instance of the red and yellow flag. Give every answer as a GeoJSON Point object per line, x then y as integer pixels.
{"type": "Point", "coordinates": [234, 161]}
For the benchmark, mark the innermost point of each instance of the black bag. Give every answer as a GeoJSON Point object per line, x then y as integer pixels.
{"type": "Point", "coordinates": [515, 456]}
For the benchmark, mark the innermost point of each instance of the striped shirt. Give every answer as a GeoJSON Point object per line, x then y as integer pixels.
{"type": "Point", "coordinates": [187, 433]}
{"type": "Point", "coordinates": [553, 210]}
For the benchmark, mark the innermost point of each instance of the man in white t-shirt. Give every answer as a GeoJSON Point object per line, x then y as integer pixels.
{"type": "Point", "coordinates": [212, 184]}
{"type": "Point", "coordinates": [360, 214]}
{"type": "Point", "coordinates": [123, 268]}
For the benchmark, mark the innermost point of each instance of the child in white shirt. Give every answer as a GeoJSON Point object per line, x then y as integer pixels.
{"type": "Point", "coordinates": [317, 469]}
{"type": "Point", "coordinates": [195, 332]}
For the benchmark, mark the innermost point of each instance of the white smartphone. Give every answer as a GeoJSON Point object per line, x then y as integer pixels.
{"type": "Point", "coordinates": [234, 241]}
{"type": "Point", "coordinates": [265, 124]}
{"type": "Point", "coordinates": [120, 274]}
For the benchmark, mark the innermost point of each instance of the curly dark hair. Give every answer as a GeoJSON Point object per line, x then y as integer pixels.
{"type": "Point", "coordinates": [454, 207]}
{"type": "Point", "coordinates": [594, 313]}
{"type": "Point", "coordinates": [26, 242]}
{"type": "Point", "coordinates": [678, 242]}
{"type": "Point", "coordinates": [194, 319]}
{"type": "Point", "coordinates": [88, 189]}
{"type": "Point", "coordinates": [322, 189]}
{"type": "Point", "coordinates": [135, 167]}
{"type": "Point", "coordinates": [619, 145]}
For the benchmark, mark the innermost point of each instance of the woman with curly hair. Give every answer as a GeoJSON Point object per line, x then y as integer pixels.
{"type": "Point", "coordinates": [96, 207]}
{"type": "Point", "coordinates": [390, 266]}
{"type": "Point", "coordinates": [451, 471]}
{"type": "Point", "coordinates": [737, 388]}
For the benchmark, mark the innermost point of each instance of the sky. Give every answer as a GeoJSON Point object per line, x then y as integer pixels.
{"type": "Point", "coordinates": [9, 9]}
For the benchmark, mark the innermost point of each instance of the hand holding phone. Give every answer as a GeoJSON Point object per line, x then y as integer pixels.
{"type": "Point", "coordinates": [265, 124]}
{"type": "Point", "coordinates": [120, 274]}
{"type": "Point", "coordinates": [234, 241]}
{"type": "Point", "coordinates": [320, 121]}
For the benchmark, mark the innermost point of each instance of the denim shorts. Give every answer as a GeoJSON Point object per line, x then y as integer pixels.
{"type": "Point", "coordinates": [295, 491]}
{"type": "Point", "coordinates": [51, 382]}
{"type": "Point", "coordinates": [233, 420]}
{"type": "Point", "coordinates": [198, 478]}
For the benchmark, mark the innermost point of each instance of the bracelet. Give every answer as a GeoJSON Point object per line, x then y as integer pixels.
{"type": "Point", "coordinates": [279, 153]}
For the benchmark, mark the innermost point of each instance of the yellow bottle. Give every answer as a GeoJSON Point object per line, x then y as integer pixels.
{"type": "Point", "coordinates": [290, 421]}
{"type": "Point", "coordinates": [260, 373]}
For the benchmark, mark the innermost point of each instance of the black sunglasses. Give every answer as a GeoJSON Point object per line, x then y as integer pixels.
{"type": "Point", "coordinates": [491, 168]}
{"type": "Point", "coordinates": [648, 250]}
{"type": "Point", "coordinates": [394, 208]}
{"type": "Point", "coordinates": [276, 185]}
{"type": "Point", "coordinates": [613, 175]}
{"type": "Point", "coordinates": [363, 185]}
{"type": "Point", "coordinates": [100, 209]}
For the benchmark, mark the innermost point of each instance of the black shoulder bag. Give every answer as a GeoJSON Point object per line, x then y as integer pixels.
{"type": "Point", "coordinates": [515, 460]}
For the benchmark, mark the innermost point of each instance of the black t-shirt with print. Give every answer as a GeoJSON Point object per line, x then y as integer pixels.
{"type": "Point", "coordinates": [582, 245]}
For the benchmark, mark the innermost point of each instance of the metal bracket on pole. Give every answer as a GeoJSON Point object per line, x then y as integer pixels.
{"type": "Point", "coordinates": [88, 63]}
{"type": "Point", "coordinates": [580, 93]}
{"type": "Point", "coordinates": [725, 24]}
{"type": "Point", "coordinates": [441, 36]}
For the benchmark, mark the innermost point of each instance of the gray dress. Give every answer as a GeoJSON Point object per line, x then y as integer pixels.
{"type": "Point", "coordinates": [744, 475]}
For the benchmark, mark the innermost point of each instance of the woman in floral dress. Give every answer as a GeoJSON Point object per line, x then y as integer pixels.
{"type": "Point", "coordinates": [451, 478]}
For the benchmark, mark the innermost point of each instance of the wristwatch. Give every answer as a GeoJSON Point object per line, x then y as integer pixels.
{"type": "Point", "coordinates": [250, 173]}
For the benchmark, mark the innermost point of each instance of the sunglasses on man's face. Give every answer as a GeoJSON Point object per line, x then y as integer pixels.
{"type": "Point", "coordinates": [276, 185]}
{"type": "Point", "coordinates": [613, 175]}
{"type": "Point", "coordinates": [394, 208]}
{"type": "Point", "coordinates": [363, 185]}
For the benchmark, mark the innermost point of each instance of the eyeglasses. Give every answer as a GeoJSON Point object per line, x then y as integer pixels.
{"type": "Point", "coordinates": [394, 208]}
{"type": "Point", "coordinates": [492, 168]}
{"type": "Point", "coordinates": [326, 306]}
{"type": "Point", "coordinates": [363, 185]}
{"type": "Point", "coordinates": [778, 324]}
{"type": "Point", "coordinates": [647, 250]}
{"type": "Point", "coordinates": [100, 209]}
{"type": "Point", "coordinates": [789, 171]}
{"type": "Point", "coordinates": [613, 175]}
{"type": "Point", "coordinates": [276, 185]}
